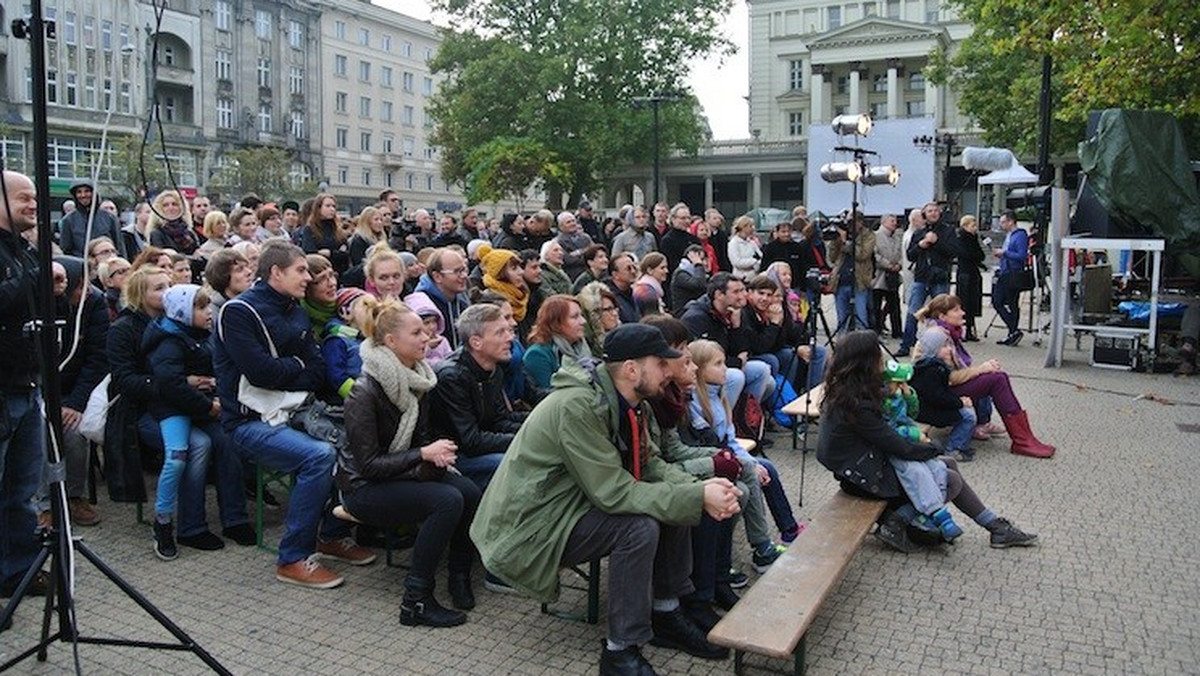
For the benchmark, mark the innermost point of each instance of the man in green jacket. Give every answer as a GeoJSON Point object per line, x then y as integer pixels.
{"type": "Point", "coordinates": [583, 480]}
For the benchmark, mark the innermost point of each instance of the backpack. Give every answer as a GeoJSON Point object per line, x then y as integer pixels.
{"type": "Point", "coordinates": [748, 419]}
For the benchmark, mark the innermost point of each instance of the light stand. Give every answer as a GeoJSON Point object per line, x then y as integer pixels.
{"type": "Point", "coordinates": [58, 546]}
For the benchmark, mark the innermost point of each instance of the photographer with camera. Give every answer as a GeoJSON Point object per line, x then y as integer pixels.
{"type": "Point", "coordinates": [852, 254]}
{"type": "Point", "coordinates": [932, 250]}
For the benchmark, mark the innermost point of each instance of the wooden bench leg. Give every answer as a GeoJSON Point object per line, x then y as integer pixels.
{"type": "Point", "coordinates": [593, 601]}
{"type": "Point", "coordinates": [739, 662]}
{"type": "Point", "coordinates": [799, 656]}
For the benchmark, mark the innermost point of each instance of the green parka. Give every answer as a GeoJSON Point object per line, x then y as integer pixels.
{"type": "Point", "coordinates": [565, 461]}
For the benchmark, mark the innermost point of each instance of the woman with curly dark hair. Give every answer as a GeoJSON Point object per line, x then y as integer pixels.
{"type": "Point", "coordinates": [855, 443]}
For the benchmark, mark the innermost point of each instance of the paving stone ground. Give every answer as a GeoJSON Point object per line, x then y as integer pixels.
{"type": "Point", "coordinates": [1113, 588]}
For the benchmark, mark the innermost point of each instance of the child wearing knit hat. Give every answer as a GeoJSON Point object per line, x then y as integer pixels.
{"type": "Point", "coordinates": [343, 337]}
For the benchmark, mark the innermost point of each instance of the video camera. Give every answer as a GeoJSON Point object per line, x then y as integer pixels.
{"type": "Point", "coordinates": [815, 279]}
{"type": "Point", "coordinates": [833, 227]}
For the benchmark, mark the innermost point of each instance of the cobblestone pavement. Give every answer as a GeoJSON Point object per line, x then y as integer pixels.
{"type": "Point", "coordinates": [1112, 588]}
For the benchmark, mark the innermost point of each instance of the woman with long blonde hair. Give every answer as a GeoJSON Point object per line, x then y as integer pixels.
{"type": "Point", "coordinates": [166, 228]}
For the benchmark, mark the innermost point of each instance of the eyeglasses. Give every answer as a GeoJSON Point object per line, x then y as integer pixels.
{"type": "Point", "coordinates": [457, 272]}
{"type": "Point", "coordinates": [608, 308]}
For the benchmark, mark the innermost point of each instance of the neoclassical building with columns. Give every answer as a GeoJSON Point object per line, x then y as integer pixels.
{"type": "Point", "coordinates": [809, 61]}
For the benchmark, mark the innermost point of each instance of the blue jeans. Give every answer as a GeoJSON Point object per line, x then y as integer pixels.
{"type": "Point", "coordinates": [479, 468]}
{"type": "Point", "coordinates": [787, 356]}
{"type": "Point", "coordinates": [206, 442]}
{"type": "Point", "coordinates": [776, 498]}
{"type": "Point", "coordinates": [22, 455]}
{"type": "Point", "coordinates": [983, 410]}
{"type": "Point", "coordinates": [843, 297]}
{"type": "Point", "coordinates": [283, 449]}
{"type": "Point", "coordinates": [816, 366]}
{"type": "Point", "coordinates": [176, 431]}
{"type": "Point", "coordinates": [754, 377]}
{"type": "Point", "coordinates": [960, 434]}
{"type": "Point", "coordinates": [917, 295]}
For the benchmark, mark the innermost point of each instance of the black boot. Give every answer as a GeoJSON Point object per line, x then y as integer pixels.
{"type": "Point", "coordinates": [724, 597]}
{"type": "Point", "coordinates": [701, 614]}
{"type": "Point", "coordinates": [420, 608]}
{"type": "Point", "coordinates": [459, 586]}
{"type": "Point", "coordinates": [627, 662]}
{"type": "Point", "coordinates": [674, 629]}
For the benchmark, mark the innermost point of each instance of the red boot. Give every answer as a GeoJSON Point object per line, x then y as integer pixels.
{"type": "Point", "coordinates": [1023, 441]}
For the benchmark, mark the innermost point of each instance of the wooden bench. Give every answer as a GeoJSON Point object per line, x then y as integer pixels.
{"type": "Point", "coordinates": [773, 617]}
{"type": "Point", "coordinates": [803, 414]}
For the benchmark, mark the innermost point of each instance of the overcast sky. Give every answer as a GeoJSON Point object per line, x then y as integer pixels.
{"type": "Point", "coordinates": [721, 88]}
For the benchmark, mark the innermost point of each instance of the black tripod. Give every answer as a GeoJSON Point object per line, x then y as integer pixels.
{"type": "Point", "coordinates": [58, 546]}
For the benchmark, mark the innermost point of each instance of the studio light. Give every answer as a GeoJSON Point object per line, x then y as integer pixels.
{"type": "Point", "coordinates": [886, 174]}
{"type": "Point", "coordinates": [859, 125]}
{"type": "Point", "coordinates": [838, 172]}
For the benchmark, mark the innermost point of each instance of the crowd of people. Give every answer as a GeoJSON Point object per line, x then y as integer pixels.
{"type": "Point", "coordinates": [534, 390]}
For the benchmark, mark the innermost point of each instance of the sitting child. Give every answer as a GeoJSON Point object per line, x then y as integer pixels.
{"type": "Point", "coordinates": [437, 348]}
{"type": "Point", "coordinates": [940, 407]}
{"type": "Point", "coordinates": [711, 416]}
{"type": "Point", "coordinates": [342, 339]}
{"type": "Point", "coordinates": [923, 481]}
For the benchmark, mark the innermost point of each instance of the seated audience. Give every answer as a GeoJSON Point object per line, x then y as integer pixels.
{"type": "Point", "coordinates": [557, 333]}
{"type": "Point", "coordinates": [648, 289]}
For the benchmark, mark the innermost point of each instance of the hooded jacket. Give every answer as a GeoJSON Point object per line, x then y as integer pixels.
{"type": "Point", "coordinates": [424, 307]}
{"type": "Point", "coordinates": [567, 459]}
{"type": "Point", "coordinates": [89, 363]}
{"type": "Point", "coordinates": [939, 404]}
{"type": "Point", "coordinates": [173, 352]}
{"type": "Point", "coordinates": [701, 319]}
{"type": "Point", "coordinates": [450, 308]}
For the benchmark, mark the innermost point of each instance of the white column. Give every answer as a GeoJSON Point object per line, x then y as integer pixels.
{"type": "Point", "coordinates": [894, 98]}
{"type": "Point", "coordinates": [933, 105]}
{"type": "Point", "coordinates": [856, 105]}
{"type": "Point", "coordinates": [817, 99]}
{"type": "Point", "coordinates": [756, 190]}
{"type": "Point", "coordinates": [708, 191]}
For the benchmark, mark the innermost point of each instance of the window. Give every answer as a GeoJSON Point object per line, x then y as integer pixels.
{"type": "Point", "coordinates": [364, 37]}
{"type": "Point", "coordinates": [341, 138]}
{"type": "Point", "coordinates": [71, 98]}
{"type": "Point", "coordinates": [296, 34]}
{"type": "Point", "coordinates": [225, 113]}
{"type": "Point", "coordinates": [108, 98]}
{"type": "Point", "coordinates": [879, 83]}
{"type": "Point", "coordinates": [339, 30]}
{"type": "Point", "coordinates": [364, 71]}
{"type": "Point", "coordinates": [385, 76]}
{"type": "Point", "coordinates": [428, 153]}
{"type": "Point", "coordinates": [364, 141]}
{"type": "Point", "coordinates": [879, 110]}
{"type": "Point", "coordinates": [366, 176]}
{"type": "Point", "coordinates": [364, 106]}
{"type": "Point", "coordinates": [124, 34]}
{"type": "Point", "coordinates": [264, 72]}
{"type": "Point", "coordinates": [339, 102]}
{"type": "Point", "coordinates": [224, 64]}
{"type": "Point", "coordinates": [68, 28]}
{"type": "Point", "coordinates": [264, 117]}
{"type": "Point", "coordinates": [343, 174]}
{"type": "Point", "coordinates": [68, 155]}
{"type": "Point", "coordinates": [931, 11]}
{"type": "Point", "coordinates": [429, 182]}
{"type": "Point", "coordinates": [298, 123]}
{"type": "Point", "coordinates": [796, 124]}
{"type": "Point", "coordinates": [915, 108]}
{"type": "Point", "coordinates": [428, 120]}
{"type": "Point", "coordinates": [916, 81]}
{"type": "Point", "coordinates": [407, 80]}
{"type": "Point", "coordinates": [223, 12]}
{"type": "Point", "coordinates": [388, 178]}
{"type": "Point", "coordinates": [385, 43]}
{"type": "Point", "coordinates": [893, 9]}
{"type": "Point", "coordinates": [406, 49]}
{"type": "Point", "coordinates": [106, 35]}
{"type": "Point", "coordinates": [842, 84]}
{"type": "Point", "coordinates": [89, 31]}
{"type": "Point", "coordinates": [410, 145]}
{"type": "Point", "coordinates": [295, 80]}
{"type": "Point", "coordinates": [126, 98]}
{"type": "Point", "coordinates": [835, 17]}
{"type": "Point", "coordinates": [410, 180]}
{"type": "Point", "coordinates": [387, 144]}
{"type": "Point", "coordinates": [170, 109]}
{"type": "Point", "coordinates": [52, 86]}
{"type": "Point", "coordinates": [385, 111]}
{"type": "Point", "coordinates": [339, 65]}
{"type": "Point", "coordinates": [262, 24]}
{"type": "Point", "coordinates": [428, 55]}
{"type": "Point", "coordinates": [796, 75]}
{"type": "Point", "coordinates": [406, 117]}
{"type": "Point", "coordinates": [427, 86]}
{"type": "Point", "coordinates": [89, 91]}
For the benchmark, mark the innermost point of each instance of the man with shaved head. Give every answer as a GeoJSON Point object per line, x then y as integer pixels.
{"type": "Point", "coordinates": [22, 449]}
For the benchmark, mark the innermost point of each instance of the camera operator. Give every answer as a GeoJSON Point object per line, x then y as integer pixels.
{"type": "Point", "coordinates": [852, 281]}
{"type": "Point", "coordinates": [22, 437]}
{"type": "Point", "coordinates": [932, 250]}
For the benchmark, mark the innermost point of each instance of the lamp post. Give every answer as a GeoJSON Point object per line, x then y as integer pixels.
{"type": "Point", "coordinates": [654, 101]}
{"type": "Point", "coordinates": [926, 143]}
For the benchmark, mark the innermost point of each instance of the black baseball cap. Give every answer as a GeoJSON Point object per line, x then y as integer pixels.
{"type": "Point", "coordinates": [634, 341]}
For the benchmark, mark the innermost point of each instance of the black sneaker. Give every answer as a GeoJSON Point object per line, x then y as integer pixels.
{"type": "Point", "coordinates": [627, 662]}
{"type": "Point", "coordinates": [902, 352]}
{"type": "Point", "coordinates": [1005, 534]}
{"type": "Point", "coordinates": [737, 579]}
{"type": "Point", "coordinates": [164, 541]}
{"type": "Point", "coordinates": [891, 532]}
{"type": "Point", "coordinates": [40, 585]}
{"type": "Point", "coordinates": [764, 556]}
{"type": "Point", "coordinates": [724, 597]}
{"type": "Point", "coordinates": [205, 541]}
{"type": "Point", "coordinates": [242, 533]}
{"type": "Point", "coordinates": [701, 614]}
{"type": "Point", "coordinates": [676, 630]}
{"type": "Point", "coordinates": [498, 586]}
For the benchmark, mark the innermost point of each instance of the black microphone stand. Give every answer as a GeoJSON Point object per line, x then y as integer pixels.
{"type": "Point", "coordinates": [58, 546]}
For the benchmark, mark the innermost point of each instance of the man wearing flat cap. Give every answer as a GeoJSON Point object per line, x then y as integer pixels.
{"type": "Point", "coordinates": [583, 480]}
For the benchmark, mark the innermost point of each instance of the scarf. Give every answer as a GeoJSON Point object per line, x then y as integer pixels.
{"type": "Point", "coordinates": [403, 386]}
{"type": "Point", "coordinates": [670, 407]}
{"type": "Point", "coordinates": [956, 334]}
{"type": "Point", "coordinates": [181, 236]}
{"type": "Point", "coordinates": [319, 314]}
{"type": "Point", "coordinates": [576, 351]}
{"type": "Point", "coordinates": [517, 296]}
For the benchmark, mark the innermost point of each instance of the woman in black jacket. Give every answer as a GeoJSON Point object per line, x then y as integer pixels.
{"type": "Point", "coordinates": [855, 441]}
{"type": "Point", "coordinates": [393, 472]}
{"type": "Point", "coordinates": [324, 234]}
{"type": "Point", "coordinates": [970, 273]}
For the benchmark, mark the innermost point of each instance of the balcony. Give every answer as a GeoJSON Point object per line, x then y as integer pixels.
{"type": "Point", "coordinates": [395, 160]}
{"type": "Point", "coordinates": [175, 75]}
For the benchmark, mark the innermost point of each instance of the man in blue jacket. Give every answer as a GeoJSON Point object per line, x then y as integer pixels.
{"type": "Point", "coordinates": [265, 336]}
{"type": "Point", "coordinates": [445, 285]}
{"type": "Point", "coordinates": [1006, 291]}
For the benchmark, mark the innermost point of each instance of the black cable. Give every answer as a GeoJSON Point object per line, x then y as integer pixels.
{"type": "Point", "coordinates": [1080, 386]}
{"type": "Point", "coordinates": [153, 116]}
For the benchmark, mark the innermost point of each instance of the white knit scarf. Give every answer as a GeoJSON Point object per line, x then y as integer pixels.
{"type": "Point", "coordinates": [404, 387]}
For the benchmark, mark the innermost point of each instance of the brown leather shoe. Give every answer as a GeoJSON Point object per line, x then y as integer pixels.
{"type": "Point", "coordinates": [82, 513]}
{"type": "Point", "coordinates": [308, 573]}
{"type": "Point", "coordinates": [346, 550]}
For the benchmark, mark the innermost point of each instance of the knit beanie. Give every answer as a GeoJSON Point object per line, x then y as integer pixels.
{"type": "Point", "coordinates": [495, 261]}
{"type": "Point", "coordinates": [347, 295]}
{"type": "Point", "coordinates": [931, 342]}
{"type": "Point", "coordinates": [178, 302]}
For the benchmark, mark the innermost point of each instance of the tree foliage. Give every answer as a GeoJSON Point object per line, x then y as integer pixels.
{"type": "Point", "coordinates": [563, 74]}
{"type": "Point", "coordinates": [256, 169]}
{"type": "Point", "coordinates": [133, 170]}
{"type": "Point", "coordinates": [1141, 54]}
{"type": "Point", "coordinates": [505, 167]}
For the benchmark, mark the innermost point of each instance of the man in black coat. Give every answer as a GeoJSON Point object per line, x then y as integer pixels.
{"type": "Point", "coordinates": [468, 404]}
{"type": "Point", "coordinates": [932, 250]}
{"type": "Point", "coordinates": [74, 235]}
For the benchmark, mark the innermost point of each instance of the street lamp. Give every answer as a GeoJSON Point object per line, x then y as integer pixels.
{"type": "Point", "coordinates": [654, 100]}
{"type": "Point", "coordinates": [926, 143]}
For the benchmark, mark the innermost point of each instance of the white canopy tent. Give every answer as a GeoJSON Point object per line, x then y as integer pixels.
{"type": "Point", "coordinates": [1015, 174]}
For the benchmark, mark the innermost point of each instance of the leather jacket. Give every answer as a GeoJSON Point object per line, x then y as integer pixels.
{"type": "Point", "coordinates": [371, 422]}
{"type": "Point", "coordinates": [467, 405]}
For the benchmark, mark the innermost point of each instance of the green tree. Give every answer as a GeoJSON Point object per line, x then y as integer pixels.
{"type": "Point", "coordinates": [131, 167]}
{"type": "Point", "coordinates": [505, 167]}
{"type": "Point", "coordinates": [255, 169]}
{"type": "Point", "coordinates": [563, 74]}
{"type": "Point", "coordinates": [1141, 54]}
